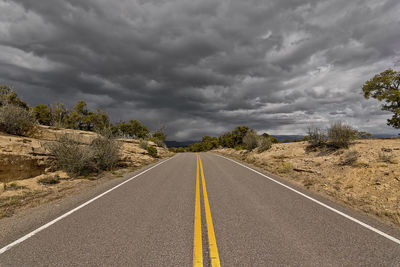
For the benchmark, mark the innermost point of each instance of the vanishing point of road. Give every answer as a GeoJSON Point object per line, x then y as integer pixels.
{"type": "Point", "coordinates": [205, 210]}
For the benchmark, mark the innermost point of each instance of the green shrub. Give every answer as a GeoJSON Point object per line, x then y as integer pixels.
{"type": "Point", "coordinates": [72, 156]}
{"type": "Point", "coordinates": [273, 139]}
{"type": "Point", "coordinates": [143, 144]}
{"type": "Point", "coordinates": [250, 140]}
{"type": "Point", "coordinates": [16, 120]}
{"type": "Point", "coordinates": [152, 151]}
{"type": "Point", "coordinates": [158, 142]}
{"type": "Point", "coordinates": [341, 135]}
{"type": "Point", "coordinates": [12, 186]}
{"type": "Point", "coordinates": [9, 97]}
{"type": "Point", "coordinates": [42, 114]}
{"type": "Point", "coordinates": [106, 152]}
{"type": "Point", "coordinates": [49, 180]}
{"type": "Point", "coordinates": [265, 143]}
{"type": "Point", "coordinates": [160, 134]}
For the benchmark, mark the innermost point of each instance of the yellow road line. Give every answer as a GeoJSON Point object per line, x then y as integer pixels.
{"type": "Point", "coordinates": [215, 262]}
{"type": "Point", "coordinates": [197, 247]}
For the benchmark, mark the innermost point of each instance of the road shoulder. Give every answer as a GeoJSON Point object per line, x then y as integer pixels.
{"type": "Point", "coordinates": [370, 219]}
{"type": "Point", "coordinates": [28, 219]}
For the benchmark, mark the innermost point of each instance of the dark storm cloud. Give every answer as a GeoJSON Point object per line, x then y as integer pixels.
{"type": "Point", "coordinates": [202, 67]}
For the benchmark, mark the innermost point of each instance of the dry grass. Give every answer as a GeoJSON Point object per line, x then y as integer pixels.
{"type": "Point", "coordinates": [12, 186]}
{"type": "Point", "coordinates": [49, 180]}
{"type": "Point", "coordinates": [8, 204]}
{"type": "Point", "coordinates": [350, 158]}
{"type": "Point", "coordinates": [387, 156]}
{"type": "Point", "coordinates": [285, 167]}
{"type": "Point", "coordinates": [40, 181]}
{"type": "Point", "coordinates": [366, 178]}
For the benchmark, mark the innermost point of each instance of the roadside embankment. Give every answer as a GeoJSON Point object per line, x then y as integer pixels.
{"type": "Point", "coordinates": [366, 176]}
{"type": "Point", "coordinates": [29, 175]}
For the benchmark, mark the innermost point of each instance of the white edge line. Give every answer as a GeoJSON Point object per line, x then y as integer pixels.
{"type": "Point", "coordinates": [34, 232]}
{"type": "Point", "coordinates": [320, 203]}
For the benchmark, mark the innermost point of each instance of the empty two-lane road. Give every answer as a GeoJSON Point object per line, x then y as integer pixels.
{"type": "Point", "coordinates": [205, 210]}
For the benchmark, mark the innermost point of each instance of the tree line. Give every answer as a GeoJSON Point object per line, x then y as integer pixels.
{"type": "Point", "coordinates": [79, 117]}
{"type": "Point", "coordinates": [241, 137]}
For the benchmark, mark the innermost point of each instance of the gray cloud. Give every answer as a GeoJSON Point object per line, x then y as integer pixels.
{"type": "Point", "coordinates": [203, 67]}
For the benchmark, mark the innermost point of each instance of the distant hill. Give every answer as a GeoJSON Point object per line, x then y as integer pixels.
{"type": "Point", "coordinates": [281, 138]}
{"type": "Point", "coordinates": [287, 138]}
{"type": "Point", "coordinates": [385, 135]}
{"type": "Point", "coordinates": [179, 143]}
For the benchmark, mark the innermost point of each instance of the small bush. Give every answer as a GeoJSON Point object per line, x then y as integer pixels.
{"type": "Point", "coordinates": [350, 158]}
{"type": "Point", "coordinates": [49, 180]}
{"type": "Point", "coordinates": [152, 151]}
{"type": "Point", "coordinates": [316, 138]}
{"type": "Point", "coordinates": [264, 144]}
{"type": "Point", "coordinates": [143, 144]}
{"type": "Point", "coordinates": [363, 135]}
{"type": "Point", "coordinates": [239, 147]}
{"type": "Point", "coordinates": [16, 120]}
{"type": "Point", "coordinates": [12, 186]}
{"type": "Point", "coordinates": [387, 157]}
{"type": "Point", "coordinates": [158, 142]}
{"type": "Point", "coordinates": [341, 135]}
{"type": "Point", "coordinates": [106, 152]}
{"type": "Point", "coordinates": [72, 156]}
{"type": "Point", "coordinates": [42, 114]}
{"type": "Point", "coordinates": [250, 140]}
{"type": "Point", "coordinates": [285, 167]}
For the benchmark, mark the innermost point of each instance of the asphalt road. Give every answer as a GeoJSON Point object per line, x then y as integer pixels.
{"type": "Point", "coordinates": [172, 215]}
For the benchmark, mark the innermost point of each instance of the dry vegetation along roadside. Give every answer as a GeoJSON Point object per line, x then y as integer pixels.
{"type": "Point", "coordinates": [366, 176]}
{"type": "Point", "coordinates": [33, 169]}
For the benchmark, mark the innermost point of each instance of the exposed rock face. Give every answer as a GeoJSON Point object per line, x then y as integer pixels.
{"type": "Point", "coordinates": [21, 158]}
{"type": "Point", "coordinates": [16, 167]}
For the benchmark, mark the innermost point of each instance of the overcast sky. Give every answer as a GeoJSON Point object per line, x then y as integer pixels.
{"type": "Point", "coordinates": [202, 67]}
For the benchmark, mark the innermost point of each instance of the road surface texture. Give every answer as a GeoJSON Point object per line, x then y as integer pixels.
{"type": "Point", "coordinates": [205, 210]}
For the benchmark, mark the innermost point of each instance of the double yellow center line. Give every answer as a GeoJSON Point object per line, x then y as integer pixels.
{"type": "Point", "coordinates": [198, 246]}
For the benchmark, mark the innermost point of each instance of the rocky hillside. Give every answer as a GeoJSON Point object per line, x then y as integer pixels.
{"type": "Point", "coordinates": [27, 169]}
{"type": "Point", "coordinates": [366, 176]}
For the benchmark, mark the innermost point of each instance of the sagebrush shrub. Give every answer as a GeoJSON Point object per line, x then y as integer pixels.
{"type": "Point", "coordinates": [143, 144]}
{"type": "Point", "coordinates": [316, 138]}
{"type": "Point", "coordinates": [341, 135]}
{"type": "Point", "coordinates": [264, 143]}
{"type": "Point", "coordinates": [158, 142]}
{"type": "Point", "coordinates": [250, 140]}
{"type": "Point", "coordinates": [72, 156]}
{"type": "Point", "coordinates": [152, 151]}
{"type": "Point", "coordinates": [106, 152]}
{"type": "Point", "coordinates": [16, 120]}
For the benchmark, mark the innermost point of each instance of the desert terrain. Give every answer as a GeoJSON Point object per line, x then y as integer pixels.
{"type": "Point", "coordinates": [365, 177]}
{"type": "Point", "coordinates": [29, 175]}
